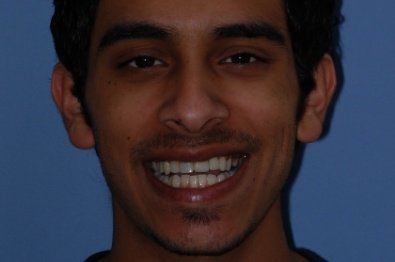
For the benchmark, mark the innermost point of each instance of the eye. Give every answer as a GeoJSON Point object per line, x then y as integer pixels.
{"type": "Point", "coordinates": [243, 58]}
{"type": "Point", "coordinates": [142, 62]}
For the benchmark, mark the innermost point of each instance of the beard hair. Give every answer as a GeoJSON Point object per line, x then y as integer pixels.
{"type": "Point", "coordinates": [144, 148]}
{"type": "Point", "coordinates": [201, 217]}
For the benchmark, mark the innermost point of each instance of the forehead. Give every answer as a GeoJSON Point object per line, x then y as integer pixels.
{"type": "Point", "coordinates": [191, 16]}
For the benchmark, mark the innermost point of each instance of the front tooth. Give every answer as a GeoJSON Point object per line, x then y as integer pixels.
{"type": "Point", "coordinates": [222, 163]}
{"type": "Point", "coordinates": [202, 167]}
{"type": "Point", "coordinates": [193, 181]}
{"type": "Point", "coordinates": [202, 180]}
{"type": "Point", "coordinates": [185, 181]}
{"type": "Point", "coordinates": [186, 167]}
{"type": "Point", "coordinates": [176, 181]}
{"type": "Point", "coordinates": [166, 168]}
{"type": "Point", "coordinates": [211, 179]}
{"type": "Point", "coordinates": [175, 167]}
{"type": "Point", "coordinates": [214, 163]}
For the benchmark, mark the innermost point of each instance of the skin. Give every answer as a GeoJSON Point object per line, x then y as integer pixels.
{"type": "Point", "coordinates": [195, 88]}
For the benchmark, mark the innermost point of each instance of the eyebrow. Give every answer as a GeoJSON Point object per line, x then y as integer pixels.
{"type": "Point", "coordinates": [141, 30]}
{"type": "Point", "coordinates": [251, 30]}
{"type": "Point", "coordinates": [133, 31]}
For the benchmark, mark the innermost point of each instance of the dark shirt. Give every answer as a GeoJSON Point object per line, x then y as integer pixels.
{"type": "Point", "coordinates": [96, 257]}
{"type": "Point", "coordinates": [309, 255]}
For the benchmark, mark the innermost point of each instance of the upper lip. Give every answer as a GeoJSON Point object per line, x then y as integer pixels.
{"type": "Point", "coordinates": [194, 154]}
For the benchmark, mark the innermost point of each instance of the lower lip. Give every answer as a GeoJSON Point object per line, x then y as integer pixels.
{"type": "Point", "coordinates": [192, 195]}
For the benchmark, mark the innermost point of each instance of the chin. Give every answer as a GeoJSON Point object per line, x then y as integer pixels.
{"type": "Point", "coordinates": [206, 239]}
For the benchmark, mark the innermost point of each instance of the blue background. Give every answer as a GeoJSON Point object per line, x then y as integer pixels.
{"type": "Point", "coordinates": [54, 205]}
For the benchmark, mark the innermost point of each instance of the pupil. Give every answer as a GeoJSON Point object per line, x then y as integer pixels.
{"type": "Point", "coordinates": [144, 62]}
{"type": "Point", "coordinates": [241, 59]}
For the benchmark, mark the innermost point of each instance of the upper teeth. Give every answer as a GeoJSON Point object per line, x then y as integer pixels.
{"type": "Point", "coordinates": [196, 174]}
{"type": "Point", "coordinates": [178, 167]}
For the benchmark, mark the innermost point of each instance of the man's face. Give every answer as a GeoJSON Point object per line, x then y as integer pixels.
{"type": "Point", "coordinates": [193, 108]}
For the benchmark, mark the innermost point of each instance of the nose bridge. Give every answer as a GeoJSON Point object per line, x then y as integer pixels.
{"type": "Point", "coordinates": [195, 104]}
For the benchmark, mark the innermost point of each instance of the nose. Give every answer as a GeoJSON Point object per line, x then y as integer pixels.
{"type": "Point", "coordinates": [194, 104]}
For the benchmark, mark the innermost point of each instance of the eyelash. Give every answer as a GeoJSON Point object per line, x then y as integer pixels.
{"type": "Point", "coordinates": [138, 62]}
{"type": "Point", "coordinates": [244, 58]}
{"type": "Point", "coordinates": [146, 61]}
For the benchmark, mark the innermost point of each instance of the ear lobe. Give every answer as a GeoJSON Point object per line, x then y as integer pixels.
{"type": "Point", "coordinates": [317, 101]}
{"type": "Point", "coordinates": [62, 85]}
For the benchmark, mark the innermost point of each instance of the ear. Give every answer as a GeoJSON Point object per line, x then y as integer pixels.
{"type": "Point", "coordinates": [62, 85]}
{"type": "Point", "coordinates": [317, 101]}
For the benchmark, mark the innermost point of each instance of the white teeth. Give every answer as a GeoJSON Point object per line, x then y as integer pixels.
{"type": "Point", "coordinates": [176, 181]}
{"type": "Point", "coordinates": [186, 167]}
{"type": "Point", "coordinates": [200, 174]}
{"type": "Point", "coordinates": [202, 167]}
{"type": "Point", "coordinates": [211, 179]}
{"type": "Point", "coordinates": [165, 179]}
{"type": "Point", "coordinates": [214, 163]}
{"type": "Point", "coordinates": [195, 181]}
{"type": "Point", "coordinates": [202, 180]}
{"type": "Point", "coordinates": [175, 167]}
{"type": "Point", "coordinates": [221, 178]}
{"type": "Point", "coordinates": [185, 181]}
{"type": "Point", "coordinates": [166, 167]}
{"type": "Point", "coordinates": [228, 164]}
{"type": "Point", "coordinates": [222, 163]}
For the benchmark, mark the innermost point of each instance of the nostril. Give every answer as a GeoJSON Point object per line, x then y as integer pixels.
{"type": "Point", "coordinates": [181, 126]}
{"type": "Point", "coordinates": [176, 126]}
{"type": "Point", "coordinates": [193, 108]}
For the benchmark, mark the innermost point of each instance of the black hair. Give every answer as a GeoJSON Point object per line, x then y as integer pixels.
{"type": "Point", "coordinates": [313, 26]}
{"type": "Point", "coordinates": [71, 26]}
{"type": "Point", "coordinates": [314, 29]}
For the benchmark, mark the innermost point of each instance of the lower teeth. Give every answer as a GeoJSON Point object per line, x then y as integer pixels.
{"type": "Point", "coordinates": [194, 181]}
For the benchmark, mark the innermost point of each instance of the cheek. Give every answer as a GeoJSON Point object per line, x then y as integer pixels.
{"type": "Point", "coordinates": [119, 112]}
{"type": "Point", "coordinates": [265, 109]}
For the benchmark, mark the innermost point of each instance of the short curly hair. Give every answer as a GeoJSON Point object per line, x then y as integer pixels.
{"type": "Point", "coordinates": [313, 26]}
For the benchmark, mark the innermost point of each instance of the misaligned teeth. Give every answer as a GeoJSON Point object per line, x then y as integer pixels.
{"type": "Point", "coordinates": [194, 181]}
{"type": "Point", "coordinates": [223, 164]}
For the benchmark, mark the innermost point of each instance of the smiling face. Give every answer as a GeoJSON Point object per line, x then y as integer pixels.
{"type": "Point", "coordinates": [193, 109]}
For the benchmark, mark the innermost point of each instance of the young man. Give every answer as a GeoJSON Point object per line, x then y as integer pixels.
{"type": "Point", "coordinates": [195, 109]}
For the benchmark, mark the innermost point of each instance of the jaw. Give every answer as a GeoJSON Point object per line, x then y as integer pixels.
{"type": "Point", "coordinates": [264, 239]}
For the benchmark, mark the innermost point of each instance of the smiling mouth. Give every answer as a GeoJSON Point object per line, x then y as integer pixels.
{"type": "Point", "coordinates": [199, 174]}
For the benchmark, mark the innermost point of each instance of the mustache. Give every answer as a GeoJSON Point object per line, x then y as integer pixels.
{"type": "Point", "coordinates": [248, 142]}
